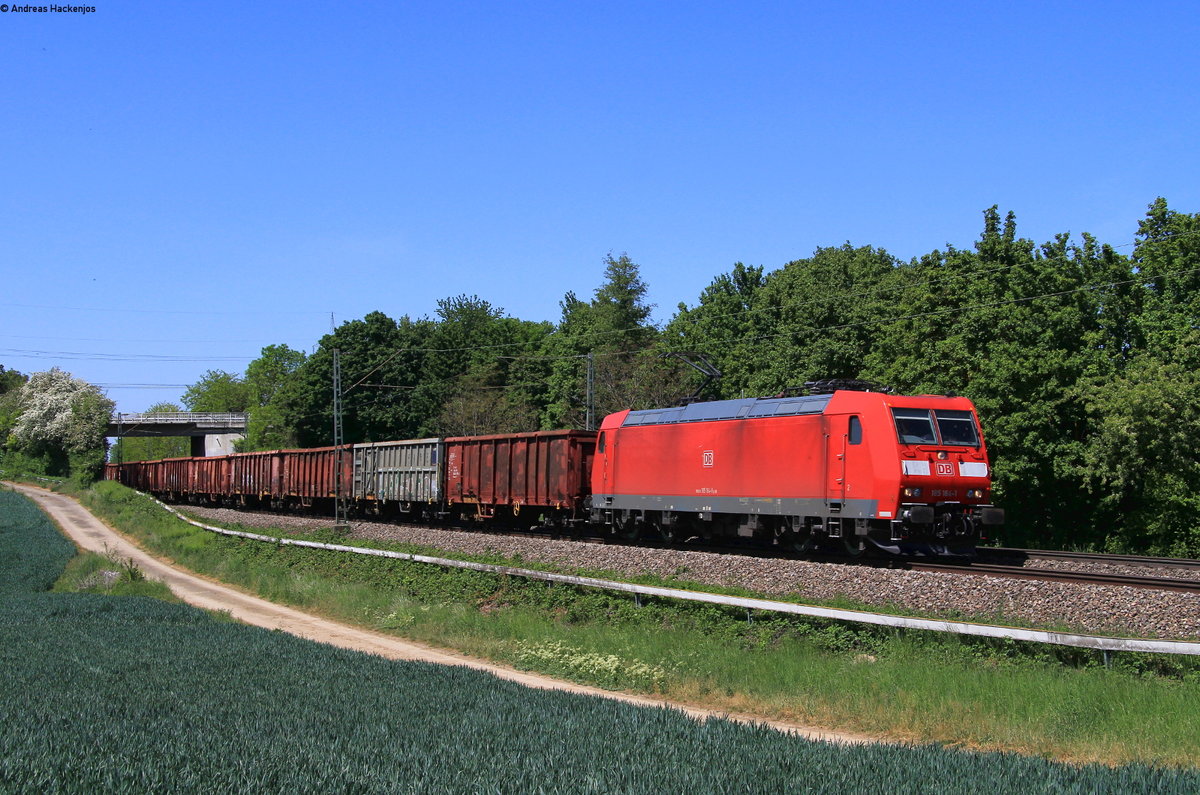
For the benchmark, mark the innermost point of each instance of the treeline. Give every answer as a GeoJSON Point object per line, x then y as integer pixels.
{"type": "Point", "coordinates": [1081, 357]}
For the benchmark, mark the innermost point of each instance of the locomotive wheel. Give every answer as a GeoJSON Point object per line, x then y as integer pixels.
{"type": "Point", "coordinates": [853, 547]}
{"type": "Point", "coordinates": [801, 543]}
{"type": "Point", "coordinates": [631, 530]}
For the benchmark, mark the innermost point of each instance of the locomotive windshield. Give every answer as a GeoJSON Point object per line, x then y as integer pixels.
{"type": "Point", "coordinates": [915, 426]}
{"type": "Point", "coordinates": [922, 426]}
{"type": "Point", "coordinates": [957, 427]}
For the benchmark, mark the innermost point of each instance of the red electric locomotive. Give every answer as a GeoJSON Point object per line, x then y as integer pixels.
{"type": "Point", "coordinates": [850, 469]}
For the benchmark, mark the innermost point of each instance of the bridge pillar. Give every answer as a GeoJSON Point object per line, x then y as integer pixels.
{"type": "Point", "coordinates": [220, 443]}
{"type": "Point", "coordinates": [214, 443]}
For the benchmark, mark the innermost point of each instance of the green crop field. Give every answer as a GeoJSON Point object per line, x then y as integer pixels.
{"type": "Point", "coordinates": [124, 693]}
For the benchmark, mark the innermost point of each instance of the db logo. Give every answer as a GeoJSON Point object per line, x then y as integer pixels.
{"type": "Point", "coordinates": [945, 468]}
{"type": "Point", "coordinates": [708, 459]}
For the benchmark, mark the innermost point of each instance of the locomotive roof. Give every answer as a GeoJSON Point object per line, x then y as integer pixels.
{"type": "Point", "coordinates": [744, 408]}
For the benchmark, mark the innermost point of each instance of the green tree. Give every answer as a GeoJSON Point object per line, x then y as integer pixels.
{"type": "Point", "coordinates": [620, 306]}
{"type": "Point", "coordinates": [813, 318]}
{"type": "Point", "coordinates": [218, 391]}
{"type": "Point", "coordinates": [615, 328]}
{"type": "Point", "coordinates": [384, 397]}
{"type": "Point", "coordinates": [477, 351]}
{"type": "Point", "coordinates": [1141, 464]}
{"type": "Point", "coordinates": [1019, 329]}
{"type": "Point", "coordinates": [268, 381]}
{"type": "Point", "coordinates": [480, 370]}
{"type": "Point", "coordinates": [269, 373]}
{"type": "Point", "coordinates": [823, 312]}
{"type": "Point", "coordinates": [727, 326]}
{"type": "Point", "coordinates": [11, 382]}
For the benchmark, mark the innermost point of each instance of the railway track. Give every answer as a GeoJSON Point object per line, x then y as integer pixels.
{"type": "Point", "coordinates": [1012, 556]}
{"type": "Point", "coordinates": [1015, 572]}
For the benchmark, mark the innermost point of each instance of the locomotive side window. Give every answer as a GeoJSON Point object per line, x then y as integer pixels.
{"type": "Point", "coordinates": [855, 430]}
{"type": "Point", "coordinates": [915, 426]}
{"type": "Point", "coordinates": [957, 427]}
{"type": "Point", "coordinates": [600, 444]}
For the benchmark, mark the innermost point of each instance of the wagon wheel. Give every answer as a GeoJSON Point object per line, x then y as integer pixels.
{"type": "Point", "coordinates": [669, 533]}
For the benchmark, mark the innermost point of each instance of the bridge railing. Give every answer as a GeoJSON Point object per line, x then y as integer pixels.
{"type": "Point", "coordinates": [180, 418]}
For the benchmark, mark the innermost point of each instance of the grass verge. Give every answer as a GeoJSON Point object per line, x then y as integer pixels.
{"type": "Point", "coordinates": [917, 687]}
{"type": "Point", "coordinates": [110, 575]}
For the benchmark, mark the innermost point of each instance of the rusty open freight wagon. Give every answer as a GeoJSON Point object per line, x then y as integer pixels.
{"type": "Point", "coordinates": [529, 478]}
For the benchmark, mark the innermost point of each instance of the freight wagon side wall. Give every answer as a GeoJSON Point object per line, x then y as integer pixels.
{"type": "Point", "coordinates": [404, 471]}
{"type": "Point", "coordinates": [257, 474]}
{"type": "Point", "coordinates": [311, 473]}
{"type": "Point", "coordinates": [176, 473]}
{"type": "Point", "coordinates": [544, 469]}
{"type": "Point", "coordinates": [212, 475]}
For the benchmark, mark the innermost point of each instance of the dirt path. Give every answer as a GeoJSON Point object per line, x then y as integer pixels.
{"type": "Point", "coordinates": [90, 533]}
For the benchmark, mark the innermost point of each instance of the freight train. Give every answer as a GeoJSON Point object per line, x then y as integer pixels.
{"type": "Point", "coordinates": [848, 470]}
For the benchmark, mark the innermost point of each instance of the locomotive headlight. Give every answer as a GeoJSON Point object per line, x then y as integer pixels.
{"type": "Point", "coordinates": [942, 455]}
{"type": "Point", "coordinates": [975, 493]}
{"type": "Point", "coordinates": [912, 491]}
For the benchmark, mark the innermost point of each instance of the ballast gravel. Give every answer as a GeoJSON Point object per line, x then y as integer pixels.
{"type": "Point", "coordinates": [1116, 610]}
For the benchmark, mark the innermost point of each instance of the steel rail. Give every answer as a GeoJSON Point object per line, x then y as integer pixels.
{"type": "Point", "coordinates": [1098, 642]}
{"type": "Point", "coordinates": [1059, 575]}
{"type": "Point", "coordinates": [1090, 557]}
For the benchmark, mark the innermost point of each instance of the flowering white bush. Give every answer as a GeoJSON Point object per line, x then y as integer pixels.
{"type": "Point", "coordinates": [60, 410]}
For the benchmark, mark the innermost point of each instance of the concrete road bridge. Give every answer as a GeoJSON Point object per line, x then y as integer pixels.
{"type": "Point", "coordinates": [212, 433]}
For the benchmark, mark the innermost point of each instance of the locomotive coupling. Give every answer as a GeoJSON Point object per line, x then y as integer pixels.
{"type": "Point", "coordinates": [919, 514]}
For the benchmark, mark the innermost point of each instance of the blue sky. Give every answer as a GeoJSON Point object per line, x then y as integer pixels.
{"type": "Point", "coordinates": [186, 183]}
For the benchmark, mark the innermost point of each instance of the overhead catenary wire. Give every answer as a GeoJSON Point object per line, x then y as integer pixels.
{"type": "Point", "coordinates": [119, 357]}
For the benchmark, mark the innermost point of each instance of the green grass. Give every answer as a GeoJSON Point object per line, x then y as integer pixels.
{"type": "Point", "coordinates": [111, 575]}
{"type": "Point", "coordinates": [922, 687]}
